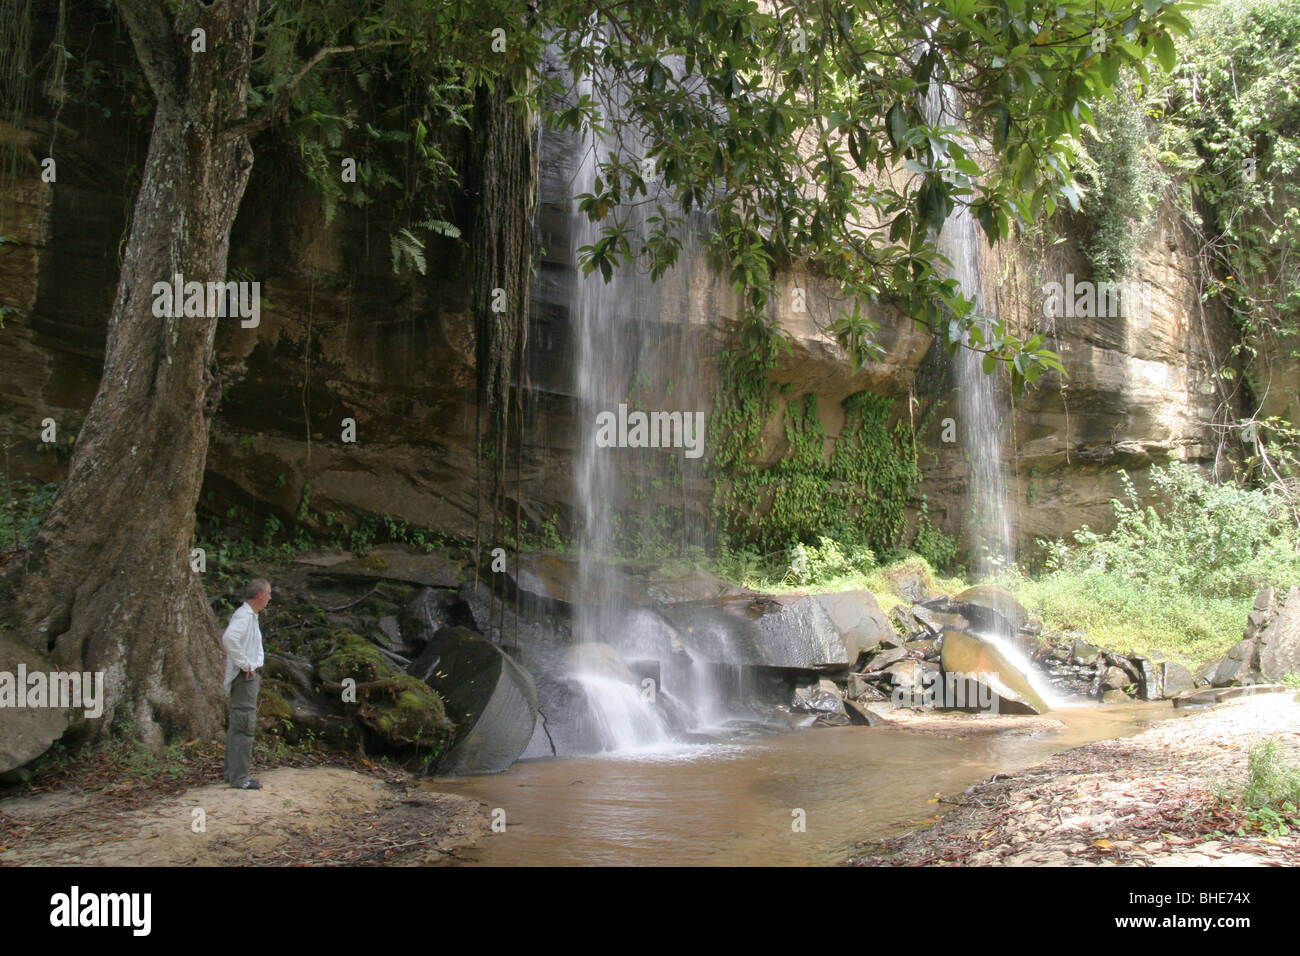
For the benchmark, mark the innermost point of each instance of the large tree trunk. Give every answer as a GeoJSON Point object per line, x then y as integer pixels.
{"type": "Point", "coordinates": [107, 585]}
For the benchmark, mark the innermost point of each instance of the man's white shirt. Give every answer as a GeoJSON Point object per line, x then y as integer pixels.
{"type": "Point", "coordinates": [243, 644]}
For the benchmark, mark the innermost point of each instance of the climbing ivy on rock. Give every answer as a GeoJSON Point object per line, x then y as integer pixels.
{"type": "Point", "coordinates": [857, 494]}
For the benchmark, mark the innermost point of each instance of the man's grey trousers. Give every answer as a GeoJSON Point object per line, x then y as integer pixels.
{"type": "Point", "coordinates": [243, 722]}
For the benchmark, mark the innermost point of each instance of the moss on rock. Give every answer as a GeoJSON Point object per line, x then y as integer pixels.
{"type": "Point", "coordinates": [402, 710]}
{"type": "Point", "coordinates": [272, 710]}
{"type": "Point", "coordinates": [406, 711]}
{"type": "Point", "coordinates": [353, 656]}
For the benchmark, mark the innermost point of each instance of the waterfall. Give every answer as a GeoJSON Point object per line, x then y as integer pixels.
{"type": "Point", "coordinates": [980, 401]}
{"type": "Point", "coordinates": [980, 407]}
{"type": "Point", "coordinates": [632, 350]}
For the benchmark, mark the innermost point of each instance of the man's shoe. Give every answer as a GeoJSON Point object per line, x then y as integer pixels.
{"type": "Point", "coordinates": [249, 784]}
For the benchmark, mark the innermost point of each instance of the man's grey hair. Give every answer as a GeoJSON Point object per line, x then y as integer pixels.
{"type": "Point", "coordinates": [256, 587]}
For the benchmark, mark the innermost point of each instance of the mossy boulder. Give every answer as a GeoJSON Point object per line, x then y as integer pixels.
{"type": "Point", "coordinates": [401, 710]}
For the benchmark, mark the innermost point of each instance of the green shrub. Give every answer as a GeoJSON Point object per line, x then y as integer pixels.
{"type": "Point", "coordinates": [825, 562]}
{"type": "Point", "coordinates": [1122, 181]}
{"type": "Point", "coordinates": [1213, 540]}
{"type": "Point", "coordinates": [1176, 576]}
{"type": "Point", "coordinates": [23, 506]}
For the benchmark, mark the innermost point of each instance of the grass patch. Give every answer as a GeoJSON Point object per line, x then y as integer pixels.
{"type": "Point", "coordinates": [1130, 617]}
{"type": "Point", "coordinates": [1176, 576]}
{"type": "Point", "coordinates": [1269, 799]}
{"type": "Point", "coordinates": [824, 567]}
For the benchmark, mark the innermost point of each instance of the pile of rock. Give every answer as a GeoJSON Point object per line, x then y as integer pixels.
{"type": "Point", "coordinates": [1085, 669]}
{"type": "Point", "coordinates": [940, 639]}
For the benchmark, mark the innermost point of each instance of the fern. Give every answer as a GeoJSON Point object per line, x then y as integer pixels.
{"type": "Point", "coordinates": [439, 227]}
{"type": "Point", "coordinates": [406, 245]}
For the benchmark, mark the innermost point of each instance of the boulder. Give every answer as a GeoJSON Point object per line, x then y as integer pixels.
{"type": "Point", "coordinates": [970, 655]}
{"type": "Point", "coordinates": [974, 618]}
{"type": "Point", "coordinates": [858, 686]}
{"type": "Point", "coordinates": [1149, 683]}
{"type": "Point", "coordinates": [909, 582]}
{"type": "Point", "coordinates": [1238, 666]}
{"type": "Point", "coordinates": [925, 650]}
{"type": "Point", "coordinates": [928, 619]}
{"type": "Point", "coordinates": [860, 716]}
{"type": "Point", "coordinates": [1279, 640]}
{"type": "Point", "coordinates": [1269, 648]}
{"type": "Point", "coordinates": [25, 732]}
{"type": "Point", "coordinates": [425, 613]}
{"type": "Point", "coordinates": [820, 698]}
{"type": "Point", "coordinates": [996, 598]}
{"type": "Point", "coordinates": [1081, 652]}
{"type": "Point", "coordinates": [1175, 679]}
{"type": "Point", "coordinates": [289, 691]}
{"type": "Point", "coordinates": [858, 619]}
{"type": "Point", "coordinates": [883, 659]}
{"type": "Point", "coordinates": [1117, 660]}
{"type": "Point", "coordinates": [788, 630]}
{"type": "Point", "coordinates": [396, 707]}
{"type": "Point", "coordinates": [491, 698]}
{"type": "Point", "coordinates": [906, 675]}
{"type": "Point", "coordinates": [1115, 678]}
{"type": "Point", "coordinates": [904, 620]}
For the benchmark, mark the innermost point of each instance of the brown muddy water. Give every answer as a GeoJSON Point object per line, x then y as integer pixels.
{"type": "Point", "coordinates": [735, 804]}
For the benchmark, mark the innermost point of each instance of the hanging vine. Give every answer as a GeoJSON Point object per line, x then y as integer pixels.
{"type": "Point", "coordinates": [502, 273]}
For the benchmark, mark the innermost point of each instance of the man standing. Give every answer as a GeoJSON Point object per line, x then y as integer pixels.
{"type": "Point", "coordinates": [243, 644]}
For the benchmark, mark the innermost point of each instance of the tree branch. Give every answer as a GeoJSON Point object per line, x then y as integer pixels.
{"type": "Point", "coordinates": [151, 35]}
{"type": "Point", "coordinates": [279, 106]}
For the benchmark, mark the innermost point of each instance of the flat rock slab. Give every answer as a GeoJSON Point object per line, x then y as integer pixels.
{"type": "Point", "coordinates": [397, 564]}
{"type": "Point", "coordinates": [1217, 695]}
{"type": "Point", "coordinates": [949, 724]}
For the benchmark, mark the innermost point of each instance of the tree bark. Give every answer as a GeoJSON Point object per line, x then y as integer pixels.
{"type": "Point", "coordinates": [107, 585]}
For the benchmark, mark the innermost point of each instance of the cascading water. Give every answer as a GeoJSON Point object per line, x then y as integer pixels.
{"type": "Point", "coordinates": [633, 351]}
{"type": "Point", "coordinates": [980, 406]}
{"type": "Point", "coordinates": [979, 400]}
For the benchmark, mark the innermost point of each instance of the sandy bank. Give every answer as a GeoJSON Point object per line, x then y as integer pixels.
{"type": "Point", "coordinates": [1147, 800]}
{"type": "Point", "coordinates": [312, 816]}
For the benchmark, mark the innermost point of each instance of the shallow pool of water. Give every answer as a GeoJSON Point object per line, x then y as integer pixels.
{"type": "Point", "coordinates": [737, 804]}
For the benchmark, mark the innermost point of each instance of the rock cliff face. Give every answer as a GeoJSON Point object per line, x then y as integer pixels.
{"type": "Point", "coordinates": [341, 337]}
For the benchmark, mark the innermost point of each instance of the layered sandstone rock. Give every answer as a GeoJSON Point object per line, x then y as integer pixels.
{"type": "Point", "coordinates": [341, 337]}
